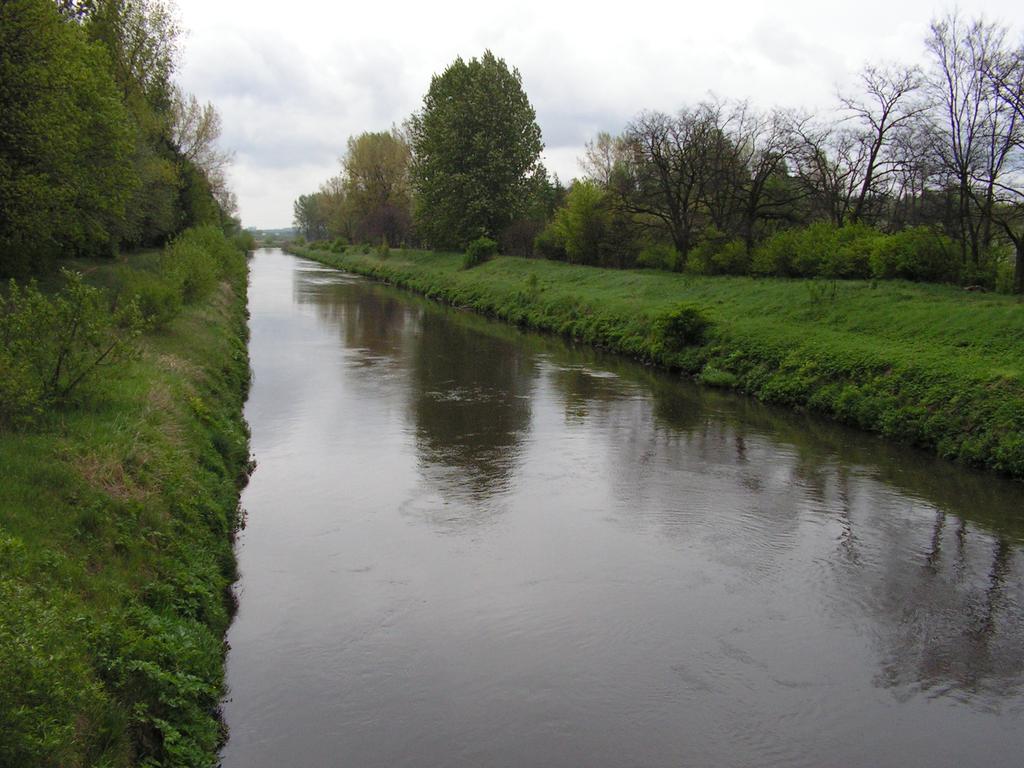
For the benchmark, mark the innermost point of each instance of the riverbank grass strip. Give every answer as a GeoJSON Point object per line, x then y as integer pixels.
{"type": "Point", "coordinates": [927, 365]}
{"type": "Point", "coordinates": [116, 525]}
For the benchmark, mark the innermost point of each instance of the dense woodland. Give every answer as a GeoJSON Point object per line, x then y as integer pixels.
{"type": "Point", "coordinates": [99, 149]}
{"type": "Point", "coordinates": [918, 173]}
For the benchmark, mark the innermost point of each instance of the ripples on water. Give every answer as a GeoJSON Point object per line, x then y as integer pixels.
{"type": "Point", "coordinates": [469, 546]}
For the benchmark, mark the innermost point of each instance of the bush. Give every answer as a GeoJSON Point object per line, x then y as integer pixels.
{"type": "Point", "coordinates": [198, 259]}
{"type": "Point", "coordinates": [478, 251]}
{"type": "Point", "coordinates": [684, 326]}
{"type": "Point", "coordinates": [716, 254]}
{"type": "Point", "coordinates": [550, 244]}
{"type": "Point", "coordinates": [918, 253]}
{"type": "Point", "coordinates": [50, 345]}
{"type": "Point", "coordinates": [382, 250]}
{"type": "Point", "coordinates": [659, 256]}
{"type": "Point", "coordinates": [158, 298]}
{"type": "Point", "coordinates": [244, 241]}
{"type": "Point", "coordinates": [851, 255]}
{"type": "Point", "coordinates": [774, 256]}
{"type": "Point", "coordinates": [338, 245]}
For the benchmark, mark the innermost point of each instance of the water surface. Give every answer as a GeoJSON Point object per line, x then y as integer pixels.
{"type": "Point", "coordinates": [469, 546]}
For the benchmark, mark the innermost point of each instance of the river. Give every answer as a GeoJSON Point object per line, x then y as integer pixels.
{"type": "Point", "coordinates": [472, 546]}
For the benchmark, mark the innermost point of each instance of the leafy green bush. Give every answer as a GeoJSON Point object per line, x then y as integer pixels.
{"type": "Point", "coordinates": [659, 256]}
{"type": "Point", "coordinates": [850, 256]}
{"type": "Point", "coordinates": [338, 245]}
{"type": "Point", "coordinates": [550, 244]}
{"type": "Point", "coordinates": [52, 344]}
{"type": "Point", "coordinates": [478, 251]}
{"type": "Point", "coordinates": [684, 326]}
{"type": "Point", "coordinates": [716, 377]}
{"type": "Point", "coordinates": [382, 250]}
{"type": "Point", "coordinates": [774, 256]}
{"type": "Point", "coordinates": [198, 259]}
{"type": "Point", "coordinates": [244, 241]}
{"type": "Point", "coordinates": [159, 298]}
{"type": "Point", "coordinates": [918, 253]}
{"type": "Point", "coordinates": [716, 254]}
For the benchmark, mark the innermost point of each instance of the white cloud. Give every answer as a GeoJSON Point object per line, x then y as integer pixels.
{"type": "Point", "coordinates": [294, 80]}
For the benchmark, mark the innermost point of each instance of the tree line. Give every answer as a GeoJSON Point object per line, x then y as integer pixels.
{"type": "Point", "coordinates": [99, 149]}
{"type": "Point", "coordinates": [918, 173]}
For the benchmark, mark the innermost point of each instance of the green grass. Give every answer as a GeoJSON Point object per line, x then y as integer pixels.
{"type": "Point", "coordinates": [927, 365]}
{"type": "Point", "coordinates": [116, 524]}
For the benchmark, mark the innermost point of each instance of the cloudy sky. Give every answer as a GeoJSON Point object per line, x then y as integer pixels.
{"type": "Point", "coordinates": [293, 80]}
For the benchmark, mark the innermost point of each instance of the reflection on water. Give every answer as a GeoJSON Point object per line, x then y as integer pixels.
{"type": "Point", "coordinates": [471, 546]}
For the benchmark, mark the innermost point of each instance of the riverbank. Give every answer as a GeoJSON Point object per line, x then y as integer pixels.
{"type": "Point", "coordinates": [116, 555]}
{"type": "Point", "coordinates": [926, 365]}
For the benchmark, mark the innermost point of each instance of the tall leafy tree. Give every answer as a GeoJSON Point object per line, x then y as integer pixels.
{"type": "Point", "coordinates": [376, 184]}
{"type": "Point", "coordinates": [476, 152]}
{"type": "Point", "coordinates": [65, 141]}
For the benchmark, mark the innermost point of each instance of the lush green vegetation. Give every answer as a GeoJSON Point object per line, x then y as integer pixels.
{"type": "Point", "coordinates": [118, 507]}
{"type": "Point", "coordinates": [99, 149]}
{"type": "Point", "coordinates": [928, 365]}
{"type": "Point", "coordinates": [914, 174]}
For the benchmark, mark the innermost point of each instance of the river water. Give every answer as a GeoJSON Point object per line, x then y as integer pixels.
{"type": "Point", "coordinates": [470, 546]}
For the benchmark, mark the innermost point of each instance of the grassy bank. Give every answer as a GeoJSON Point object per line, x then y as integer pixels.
{"type": "Point", "coordinates": [117, 512]}
{"type": "Point", "coordinates": [928, 365]}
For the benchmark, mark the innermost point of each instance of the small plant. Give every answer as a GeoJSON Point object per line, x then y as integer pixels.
{"type": "Point", "coordinates": [382, 250]}
{"type": "Point", "coordinates": [478, 251]}
{"type": "Point", "coordinates": [51, 345]}
{"type": "Point", "coordinates": [682, 327]}
{"type": "Point", "coordinates": [659, 256]}
{"type": "Point", "coordinates": [716, 377]}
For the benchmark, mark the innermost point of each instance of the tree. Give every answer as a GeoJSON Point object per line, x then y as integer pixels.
{"type": "Point", "coordinates": [977, 125]}
{"type": "Point", "coordinates": [669, 169]}
{"type": "Point", "coordinates": [887, 108]}
{"type": "Point", "coordinates": [476, 150]}
{"type": "Point", "coordinates": [1006, 74]}
{"type": "Point", "coordinates": [195, 130]}
{"type": "Point", "coordinates": [65, 141]}
{"type": "Point", "coordinates": [376, 185]}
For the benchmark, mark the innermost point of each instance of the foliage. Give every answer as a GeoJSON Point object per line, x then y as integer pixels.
{"type": "Point", "coordinates": [683, 326]}
{"type": "Point", "coordinates": [918, 253]}
{"type": "Point", "coordinates": [52, 344]}
{"type": "Point", "coordinates": [65, 142]}
{"type": "Point", "coordinates": [476, 152]}
{"type": "Point", "coordinates": [376, 200]}
{"type": "Point", "coordinates": [659, 256]}
{"type": "Point", "coordinates": [198, 259]}
{"type": "Point", "coordinates": [716, 254]}
{"type": "Point", "coordinates": [116, 554]}
{"type": "Point", "coordinates": [478, 251]}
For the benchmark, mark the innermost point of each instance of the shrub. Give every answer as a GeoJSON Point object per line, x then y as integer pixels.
{"type": "Point", "coordinates": [244, 241]}
{"type": "Point", "coordinates": [382, 250]}
{"type": "Point", "coordinates": [716, 254]}
{"type": "Point", "coordinates": [851, 254]}
{"type": "Point", "coordinates": [478, 251]}
{"type": "Point", "coordinates": [814, 248]}
{"type": "Point", "coordinates": [775, 255]}
{"type": "Point", "coordinates": [158, 298]}
{"type": "Point", "coordinates": [550, 244]}
{"type": "Point", "coordinates": [338, 245]}
{"type": "Point", "coordinates": [918, 253]}
{"type": "Point", "coordinates": [49, 345]}
{"type": "Point", "coordinates": [659, 256]}
{"type": "Point", "coordinates": [684, 326]}
{"type": "Point", "coordinates": [716, 377]}
{"type": "Point", "coordinates": [198, 259]}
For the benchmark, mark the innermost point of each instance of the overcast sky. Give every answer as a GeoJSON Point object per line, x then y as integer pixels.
{"type": "Point", "coordinates": [293, 80]}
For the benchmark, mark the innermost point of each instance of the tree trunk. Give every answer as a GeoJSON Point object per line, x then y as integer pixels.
{"type": "Point", "coordinates": [1018, 267]}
